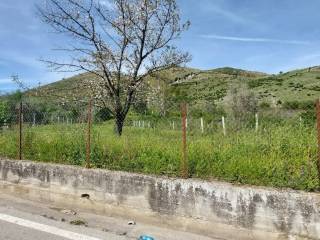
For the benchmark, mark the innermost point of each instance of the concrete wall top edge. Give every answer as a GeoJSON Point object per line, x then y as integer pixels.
{"type": "Point", "coordinates": [205, 184]}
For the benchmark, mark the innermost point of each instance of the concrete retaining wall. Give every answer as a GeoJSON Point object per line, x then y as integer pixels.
{"type": "Point", "coordinates": [211, 208]}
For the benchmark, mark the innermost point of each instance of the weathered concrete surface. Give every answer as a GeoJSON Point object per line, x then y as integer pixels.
{"type": "Point", "coordinates": [98, 226]}
{"type": "Point", "coordinates": [214, 209]}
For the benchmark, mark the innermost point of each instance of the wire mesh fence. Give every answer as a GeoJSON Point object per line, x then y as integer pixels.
{"type": "Point", "coordinates": [261, 147]}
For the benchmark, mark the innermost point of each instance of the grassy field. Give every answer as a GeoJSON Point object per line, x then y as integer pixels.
{"type": "Point", "coordinates": [282, 155]}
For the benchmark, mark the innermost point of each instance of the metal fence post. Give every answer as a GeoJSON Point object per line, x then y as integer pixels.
{"type": "Point", "coordinates": [318, 135]}
{"type": "Point", "coordinates": [20, 132]}
{"type": "Point", "coordinates": [202, 125]}
{"type": "Point", "coordinates": [88, 143]}
{"type": "Point", "coordinates": [34, 119]}
{"type": "Point", "coordinates": [224, 126]}
{"type": "Point", "coordinates": [184, 165]}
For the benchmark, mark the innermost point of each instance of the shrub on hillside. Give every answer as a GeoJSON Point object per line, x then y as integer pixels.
{"type": "Point", "coordinates": [264, 105]}
{"type": "Point", "coordinates": [265, 82]}
{"type": "Point", "coordinates": [244, 106]}
{"type": "Point", "coordinates": [299, 105]}
{"type": "Point", "coordinates": [314, 88]}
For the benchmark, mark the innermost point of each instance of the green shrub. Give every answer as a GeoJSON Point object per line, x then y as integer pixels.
{"type": "Point", "coordinates": [265, 82]}
{"type": "Point", "coordinates": [264, 105]}
{"type": "Point", "coordinates": [294, 105]}
{"type": "Point", "coordinates": [298, 105]}
{"type": "Point", "coordinates": [4, 113]}
{"type": "Point", "coordinates": [314, 88]}
{"type": "Point", "coordinates": [104, 114]}
{"type": "Point", "coordinates": [308, 117]}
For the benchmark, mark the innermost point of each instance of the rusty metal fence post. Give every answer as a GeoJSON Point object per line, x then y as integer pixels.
{"type": "Point", "coordinates": [184, 161]}
{"type": "Point", "coordinates": [318, 135]}
{"type": "Point", "coordinates": [20, 131]}
{"type": "Point", "coordinates": [88, 142]}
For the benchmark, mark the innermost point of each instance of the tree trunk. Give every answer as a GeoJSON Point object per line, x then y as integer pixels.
{"type": "Point", "coordinates": [119, 122]}
{"type": "Point", "coordinates": [121, 114]}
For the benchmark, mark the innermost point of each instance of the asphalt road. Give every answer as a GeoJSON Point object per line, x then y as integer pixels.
{"type": "Point", "coordinates": [10, 231]}
{"type": "Point", "coordinates": [25, 220]}
{"type": "Point", "coordinates": [29, 227]}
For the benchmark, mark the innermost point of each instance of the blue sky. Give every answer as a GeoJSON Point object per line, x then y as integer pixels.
{"type": "Point", "coordinates": [262, 35]}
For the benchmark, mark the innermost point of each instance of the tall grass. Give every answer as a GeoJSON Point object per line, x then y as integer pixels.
{"type": "Point", "coordinates": [281, 155]}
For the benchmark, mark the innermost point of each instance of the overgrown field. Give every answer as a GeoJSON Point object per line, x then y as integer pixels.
{"type": "Point", "coordinates": [281, 155]}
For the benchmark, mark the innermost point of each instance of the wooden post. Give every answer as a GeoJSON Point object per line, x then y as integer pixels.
{"type": "Point", "coordinates": [257, 122]}
{"type": "Point", "coordinates": [20, 132]}
{"type": "Point", "coordinates": [224, 126]}
{"type": "Point", "coordinates": [173, 125]}
{"type": "Point", "coordinates": [202, 125]}
{"type": "Point", "coordinates": [184, 165]}
{"type": "Point", "coordinates": [318, 135]}
{"type": "Point", "coordinates": [34, 120]}
{"type": "Point", "coordinates": [88, 145]}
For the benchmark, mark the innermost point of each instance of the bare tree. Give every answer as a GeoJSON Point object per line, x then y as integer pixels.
{"type": "Point", "coordinates": [119, 41]}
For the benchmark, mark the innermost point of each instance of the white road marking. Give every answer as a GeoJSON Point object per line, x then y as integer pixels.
{"type": "Point", "coordinates": [45, 228]}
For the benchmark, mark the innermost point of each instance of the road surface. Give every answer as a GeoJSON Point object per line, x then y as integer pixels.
{"type": "Point", "coordinates": [11, 231]}
{"type": "Point", "coordinates": [25, 220]}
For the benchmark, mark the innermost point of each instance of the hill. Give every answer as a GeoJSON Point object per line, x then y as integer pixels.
{"type": "Point", "coordinates": [198, 86]}
{"type": "Point", "coordinates": [190, 80]}
{"type": "Point", "coordinates": [295, 86]}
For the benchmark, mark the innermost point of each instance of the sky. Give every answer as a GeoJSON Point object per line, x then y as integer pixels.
{"type": "Point", "coordinates": [261, 35]}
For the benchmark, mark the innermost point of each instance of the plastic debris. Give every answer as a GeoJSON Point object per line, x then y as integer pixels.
{"type": "Point", "coordinates": [131, 223]}
{"type": "Point", "coordinates": [143, 237]}
{"type": "Point", "coordinates": [68, 212]}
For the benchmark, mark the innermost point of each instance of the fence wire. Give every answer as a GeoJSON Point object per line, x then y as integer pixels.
{"type": "Point", "coordinates": [180, 138]}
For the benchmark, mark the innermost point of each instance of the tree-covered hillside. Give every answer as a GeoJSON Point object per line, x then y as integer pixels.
{"type": "Point", "coordinates": [206, 91]}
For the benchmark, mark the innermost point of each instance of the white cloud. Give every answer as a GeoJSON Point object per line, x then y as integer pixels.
{"type": "Point", "coordinates": [229, 15]}
{"type": "Point", "coordinates": [5, 81]}
{"type": "Point", "coordinates": [6, 85]}
{"type": "Point", "coordinates": [257, 40]}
